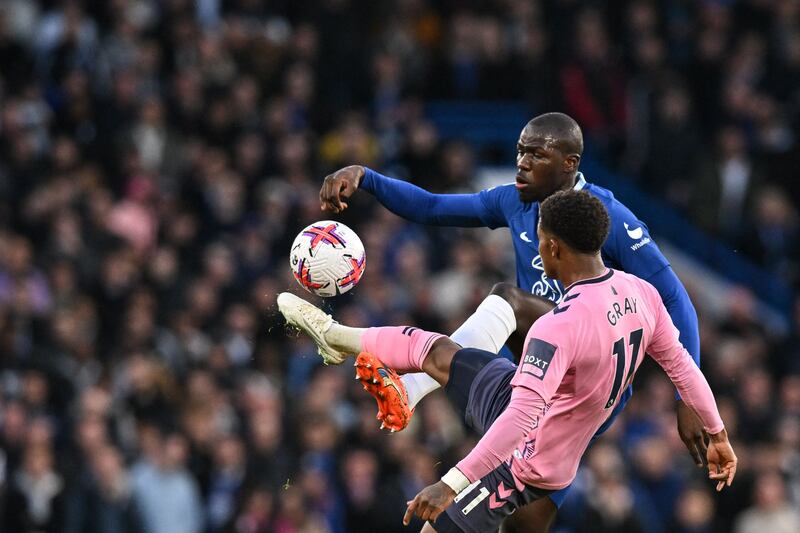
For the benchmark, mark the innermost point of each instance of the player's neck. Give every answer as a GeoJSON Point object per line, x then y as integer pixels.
{"type": "Point", "coordinates": [582, 267]}
{"type": "Point", "coordinates": [570, 183]}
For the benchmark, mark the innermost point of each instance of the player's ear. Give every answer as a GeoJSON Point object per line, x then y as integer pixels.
{"type": "Point", "coordinates": [555, 251]}
{"type": "Point", "coordinates": [571, 163]}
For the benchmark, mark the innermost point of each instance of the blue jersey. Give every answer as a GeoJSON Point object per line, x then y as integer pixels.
{"type": "Point", "coordinates": [628, 247]}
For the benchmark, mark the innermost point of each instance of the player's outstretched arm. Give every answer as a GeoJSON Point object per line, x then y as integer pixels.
{"type": "Point", "coordinates": [407, 200]}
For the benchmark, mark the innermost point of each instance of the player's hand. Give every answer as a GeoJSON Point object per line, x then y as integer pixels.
{"type": "Point", "coordinates": [721, 460]}
{"type": "Point", "coordinates": [338, 186]}
{"type": "Point", "coordinates": [690, 428]}
{"type": "Point", "coordinates": [430, 502]}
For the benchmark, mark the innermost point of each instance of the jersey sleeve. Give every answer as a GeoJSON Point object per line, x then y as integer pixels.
{"type": "Point", "coordinates": [497, 203]}
{"type": "Point", "coordinates": [547, 356]}
{"type": "Point", "coordinates": [680, 309]}
{"type": "Point", "coordinates": [418, 205]}
{"type": "Point", "coordinates": [629, 244]}
{"type": "Point", "coordinates": [669, 353]}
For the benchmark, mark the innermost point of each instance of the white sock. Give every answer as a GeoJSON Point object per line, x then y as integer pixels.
{"type": "Point", "coordinates": [344, 338]}
{"type": "Point", "coordinates": [488, 328]}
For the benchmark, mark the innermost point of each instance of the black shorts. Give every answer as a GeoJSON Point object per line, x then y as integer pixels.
{"type": "Point", "coordinates": [480, 388]}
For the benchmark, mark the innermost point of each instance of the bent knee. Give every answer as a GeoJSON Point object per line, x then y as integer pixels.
{"type": "Point", "coordinates": [527, 307]}
{"type": "Point", "coordinates": [441, 355]}
{"type": "Point", "coordinates": [507, 291]}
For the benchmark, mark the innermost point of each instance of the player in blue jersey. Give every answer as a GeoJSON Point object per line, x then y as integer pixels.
{"type": "Point", "coordinates": [548, 156]}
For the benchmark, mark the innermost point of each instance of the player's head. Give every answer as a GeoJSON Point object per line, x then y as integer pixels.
{"type": "Point", "coordinates": [571, 224]}
{"type": "Point", "coordinates": [548, 154]}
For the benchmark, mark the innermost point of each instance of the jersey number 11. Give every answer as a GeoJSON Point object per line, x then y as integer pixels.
{"type": "Point", "coordinates": [619, 350]}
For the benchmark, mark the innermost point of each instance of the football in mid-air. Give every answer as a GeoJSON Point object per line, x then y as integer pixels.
{"type": "Point", "coordinates": [327, 258]}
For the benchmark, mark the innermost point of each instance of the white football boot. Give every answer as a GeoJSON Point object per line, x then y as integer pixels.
{"type": "Point", "coordinates": [311, 320]}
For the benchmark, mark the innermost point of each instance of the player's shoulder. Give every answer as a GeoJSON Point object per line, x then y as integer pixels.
{"type": "Point", "coordinates": [642, 286]}
{"type": "Point", "coordinates": [572, 307]}
{"type": "Point", "coordinates": [568, 323]}
{"type": "Point", "coordinates": [603, 194]}
{"type": "Point", "coordinates": [556, 318]}
{"type": "Point", "coordinates": [616, 209]}
{"type": "Point", "coordinates": [582, 298]}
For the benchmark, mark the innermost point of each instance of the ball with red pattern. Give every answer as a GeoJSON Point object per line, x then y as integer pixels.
{"type": "Point", "coordinates": [327, 258]}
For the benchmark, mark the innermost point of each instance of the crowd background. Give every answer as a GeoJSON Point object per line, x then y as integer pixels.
{"type": "Point", "coordinates": [158, 157]}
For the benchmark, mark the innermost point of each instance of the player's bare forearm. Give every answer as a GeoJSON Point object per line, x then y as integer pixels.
{"type": "Point", "coordinates": [691, 432]}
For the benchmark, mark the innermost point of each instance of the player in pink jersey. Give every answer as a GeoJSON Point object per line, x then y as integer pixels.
{"type": "Point", "coordinates": [536, 418]}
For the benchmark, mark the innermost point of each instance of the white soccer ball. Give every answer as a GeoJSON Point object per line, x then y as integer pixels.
{"type": "Point", "coordinates": [327, 258]}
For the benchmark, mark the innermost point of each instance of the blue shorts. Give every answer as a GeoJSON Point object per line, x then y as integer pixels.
{"type": "Point", "coordinates": [480, 388]}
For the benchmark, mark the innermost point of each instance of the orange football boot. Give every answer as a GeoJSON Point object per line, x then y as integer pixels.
{"type": "Point", "coordinates": [385, 385]}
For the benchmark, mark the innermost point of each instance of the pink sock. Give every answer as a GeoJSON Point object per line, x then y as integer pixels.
{"type": "Point", "coordinates": [402, 348]}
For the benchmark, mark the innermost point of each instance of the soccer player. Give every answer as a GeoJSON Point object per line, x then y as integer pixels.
{"type": "Point", "coordinates": [548, 156]}
{"type": "Point", "coordinates": [537, 418]}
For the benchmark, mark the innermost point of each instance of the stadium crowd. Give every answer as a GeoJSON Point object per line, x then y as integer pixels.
{"type": "Point", "coordinates": [158, 158]}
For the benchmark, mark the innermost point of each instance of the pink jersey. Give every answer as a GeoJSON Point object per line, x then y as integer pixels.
{"type": "Point", "coordinates": [578, 359]}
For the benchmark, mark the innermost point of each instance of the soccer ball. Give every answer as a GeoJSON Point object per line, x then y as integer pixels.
{"type": "Point", "coordinates": [327, 258]}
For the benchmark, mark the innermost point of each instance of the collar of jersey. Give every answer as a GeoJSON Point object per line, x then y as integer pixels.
{"type": "Point", "coordinates": [580, 182]}
{"type": "Point", "coordinates": [589, 281]}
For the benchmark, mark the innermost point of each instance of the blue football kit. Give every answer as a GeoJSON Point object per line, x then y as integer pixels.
{"type": "Point", "coordinates": [629, 246]}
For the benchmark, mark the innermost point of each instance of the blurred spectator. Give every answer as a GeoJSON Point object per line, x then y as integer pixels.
{"type": "Point", "coordinates": [610, 501]}
{"type": "Point", "coordinates": [295, 516]}
{"type": "Point", "coordinates": [22, 285]}
{"type": "Point", "coordinates": [772, 511]}
{"type": "Point", "coordinates": [103, 503]}
{"type": "Point", "coordinates": [724, 187]}
{"type": "Point", "coordinates": [158, 158]}
{"type": "Point", "coordinates": [367, 496]}
{"type": "Point", "coordinates": [655, 476]}
{"type": "Point", "coordinates": [593, 82]}
{"type": "Point", "coordinates": [227, 482]}
{"type": "Point", "coordinates": [35, 494]}
{"type": "Point", "coordinates": [694, 512]}
{"type": "Point", "coordinates": [772, 238]}
{"type": "Point", "coordinates": [163, 489]}
{"type": "Point", "coordinates": [674, 147]}
{"type": "Point", "coordinates": [256, 514]}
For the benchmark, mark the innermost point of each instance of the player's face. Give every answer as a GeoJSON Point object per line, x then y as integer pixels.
{"type": "Point", "coordinates": [548, 251]}
{"type": "Point", "coordinates": [542, 168]}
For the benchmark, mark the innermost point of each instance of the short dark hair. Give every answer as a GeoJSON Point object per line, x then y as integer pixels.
{"type": "Point", "coordinates": [576, 217]}
{"type": "Point", "coordinates": [562, 128]}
